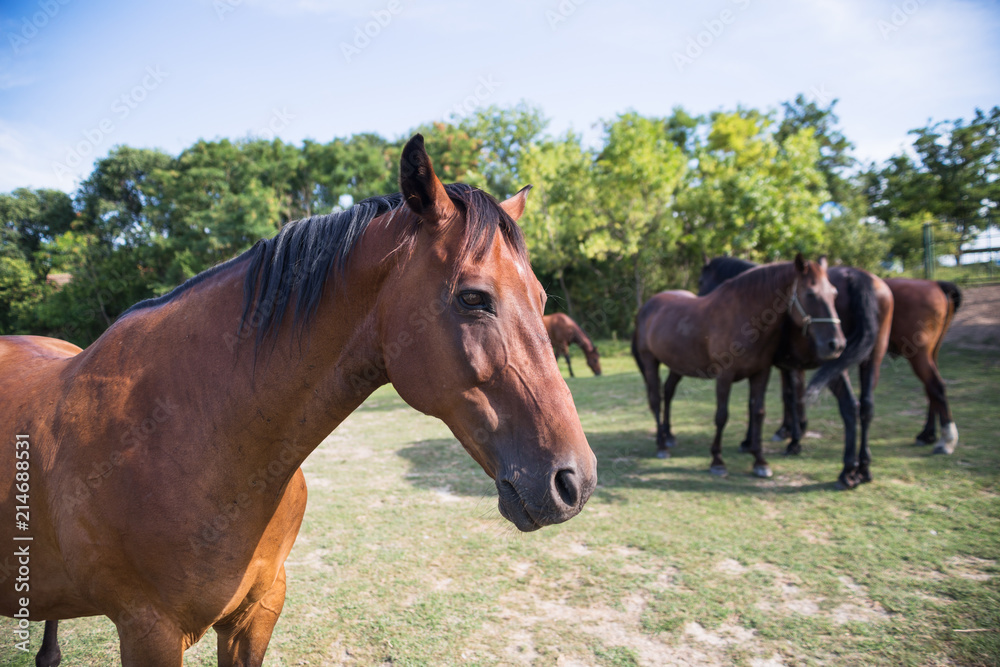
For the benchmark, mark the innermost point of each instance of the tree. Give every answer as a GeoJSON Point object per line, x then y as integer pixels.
{"type": "Point", "coordinates": [834, 148]}
{"type": "Point", "coordinates": [955, 177]}
{"type": "Point", "coordinates": [561, 215]}
{"type": "Point", "coordinates": [504, 133]}
{"type": "Point", "coordinates": [636, 175]}
{"type": "Point", "coordinates": [750, 195]}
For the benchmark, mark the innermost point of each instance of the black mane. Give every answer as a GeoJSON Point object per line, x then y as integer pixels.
{"type": "Point", "coordinates": [721, 269]}
{"type": "Point", "coordinates": [290, 270]}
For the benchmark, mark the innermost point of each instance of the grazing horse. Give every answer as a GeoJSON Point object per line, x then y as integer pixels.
{"type": "Point", "coordinates": [164, 481]}
{"type": "Point", "coordinates": [924, 311]}
{"type": "Point", "coordinates": [865, 305]}
{"type": "Point", "coordinates": [562, 331]}
{"type": "Point", "coordinates": [731, 334]}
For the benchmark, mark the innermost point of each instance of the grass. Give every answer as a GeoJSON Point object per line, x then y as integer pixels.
{"type": "Point", "coordinates": [403, 557]}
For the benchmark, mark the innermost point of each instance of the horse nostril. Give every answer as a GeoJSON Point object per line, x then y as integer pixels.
{"type": "Point", "coordinates": [567, 487]}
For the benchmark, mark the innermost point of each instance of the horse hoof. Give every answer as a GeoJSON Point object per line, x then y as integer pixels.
{"type": "Point", "coordinates": [662, 454]}
{"type": "Point", "coordinates": [718, 471]}
{"type": "Point", "coordinates": [762, 471]}
{"type": "Point", "coordinates": [793, 449]}
{"type": "Point", "coordinates": [948, 441]}
{"type": "Point", "coordinates": [847, 481]}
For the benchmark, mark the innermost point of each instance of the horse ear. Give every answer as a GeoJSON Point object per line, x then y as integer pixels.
{"type": "Point", "coordinates": [514, 205]}
{"type": "Point", "coordinates": [800, 263]}
{"type": "Point", "coordinates": [422, 191]}
{"type": "Point", "coordinates": [822, 262]}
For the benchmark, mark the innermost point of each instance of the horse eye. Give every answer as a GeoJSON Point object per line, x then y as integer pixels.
{"type": "Point", "coordinates": [474, 300]}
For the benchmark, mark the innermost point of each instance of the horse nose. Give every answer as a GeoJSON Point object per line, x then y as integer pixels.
{"type": "Point", "coordinates": [836, 345]}
{"type": "Point", "coordinates": [566, 488]}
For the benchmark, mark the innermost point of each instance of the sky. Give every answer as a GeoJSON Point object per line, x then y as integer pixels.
{"type": "Point", "coordinates": [79, 77]}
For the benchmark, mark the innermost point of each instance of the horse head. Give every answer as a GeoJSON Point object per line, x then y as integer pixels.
{"type": "Point", "coordinates": [811, 307]}
{"type": "Point", "coordinates": [460, 323]}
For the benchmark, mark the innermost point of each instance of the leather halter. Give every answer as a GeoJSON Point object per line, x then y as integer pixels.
{"type": "Point", "coordinates": [807, 319]}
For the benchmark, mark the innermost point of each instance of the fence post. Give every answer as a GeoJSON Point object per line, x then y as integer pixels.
{"type": "Point", "coordinates": [928, 252]}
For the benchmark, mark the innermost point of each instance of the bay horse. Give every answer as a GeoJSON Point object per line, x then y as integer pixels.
{"type": "Point", "coordinates": [164, 480]}
{"type": "Point", "coordinates": [924, 311]}
{"type": "Point", "coordinates": [562, 331]}
{"type": "Point", "coordinates": [731, 334]}
{"type": "Point", "coordinates": [865, 305]}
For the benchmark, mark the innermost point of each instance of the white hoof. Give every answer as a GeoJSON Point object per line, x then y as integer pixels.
{"type": "Point", "coordinates": [948, 441]}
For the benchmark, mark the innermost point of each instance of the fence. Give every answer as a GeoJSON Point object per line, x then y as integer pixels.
{"type": "Point", "coordinates": [978, 261]}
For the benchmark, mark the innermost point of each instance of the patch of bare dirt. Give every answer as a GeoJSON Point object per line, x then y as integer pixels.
{"type": "Point", "coordinates": [977, 323]}
{"type": "Point", "coordinates": [522, 611]}
{"type": "Point", "coordinates": [790, 598]}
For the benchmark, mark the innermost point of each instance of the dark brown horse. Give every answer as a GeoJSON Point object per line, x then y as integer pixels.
{"type": "Point", "coordinates": [731, 334]}
{"type": "Point", "coordinates": [865, 305]}
{"type": "Point", "coordinates": [562, 331]}
{"type": "Point", "coordinates": [164, 482]}
{"type": "Point", "coordinates": [924, 311]}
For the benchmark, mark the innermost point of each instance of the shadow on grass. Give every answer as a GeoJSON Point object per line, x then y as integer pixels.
{"type": "Point", "coordinates": [625, 460]}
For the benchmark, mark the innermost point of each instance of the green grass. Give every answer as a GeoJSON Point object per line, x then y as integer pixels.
{"type": "Point", "coordinates": [403, 556]}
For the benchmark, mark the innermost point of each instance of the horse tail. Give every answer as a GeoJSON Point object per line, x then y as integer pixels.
{"type": "Point", "coordinates": [953, 293]}
{"type": "Point", "coordinates": [863, 307]}
{"type": "Point", "coordinates": [635, 351]}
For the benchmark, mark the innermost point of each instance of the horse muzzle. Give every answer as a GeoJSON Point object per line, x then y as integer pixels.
{"type": "Point", "coordinates": [531, 501]}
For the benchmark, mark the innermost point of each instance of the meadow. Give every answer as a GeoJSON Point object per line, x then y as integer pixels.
{"type": "Point", "coordinates": [404, 559]}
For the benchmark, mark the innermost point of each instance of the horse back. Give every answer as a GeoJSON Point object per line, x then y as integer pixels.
{"type": "Point", "coordinates": [923, 312]}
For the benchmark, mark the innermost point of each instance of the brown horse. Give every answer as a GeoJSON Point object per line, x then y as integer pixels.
{"type": "Point", "coordinates": [865, 305]}
{"type": "Point", "coordinates": [164, 482]}
{"type": "Point", "coordinates": [924, 311]}
{"type": "Point", "coordinates": [562, 331]}
{"type": "Point", "coordinates": [732, 334]}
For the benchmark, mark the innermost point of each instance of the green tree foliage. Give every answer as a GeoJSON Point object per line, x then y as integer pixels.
{"type": "Point", "coordinates": [636, 176]}
{"type": "Point", "coordinates": [562, 214]}
{"type": "Point", "coordinates": [954, 176]}
{"type": "Point", "coordinates": [505, 133]}
{"type": "Point", "coordinates": [750, 195]}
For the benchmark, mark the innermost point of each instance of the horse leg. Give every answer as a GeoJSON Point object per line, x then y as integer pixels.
{"type": "Point", "coordinates": [49, 654]}
{"type": "Point", "coordinates": [866, 413]}
{"type": "Point", "coordinates": [795, 409]}
{"type": "Point", "coordinates": [788, 403]}
{"type": "Point", "coordinates": [668, 395]}
{"type": "Point", "coordinates": [650, 367]}
{"type": "Point", "coordinates": [722, 387]}
{"type": "Point", "coordinates": [149, 640]}
{"type": "Point", "coordinates": [244, 636]}
{"type": "Point", "coordinates": [568, 364]}
{"type": "Point", "coordinates": [841, 388]}
{"type": "Point", "coordinates": [758, 389]}
{"type": "Point", "coordinates": [925, 371]}
{"type": "Point", "coordinates": [937, 407]}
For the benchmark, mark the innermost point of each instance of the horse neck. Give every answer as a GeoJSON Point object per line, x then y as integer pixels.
{"type": "Point", "coordinates": [239, 408]}
{"type": "Point", "coordinates": [581, 339]}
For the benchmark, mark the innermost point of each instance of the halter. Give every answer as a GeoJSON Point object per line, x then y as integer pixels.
{"type": "Point", "coordinates": [807, 319]}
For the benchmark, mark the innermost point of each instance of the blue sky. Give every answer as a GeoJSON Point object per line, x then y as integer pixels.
{"type": "Point", "coordinates": [77, 77]}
